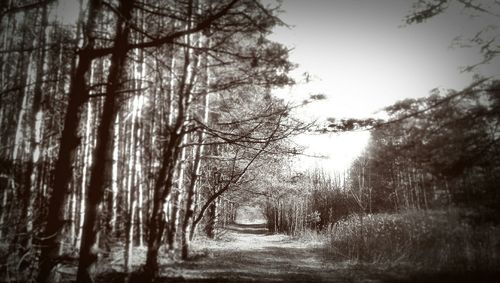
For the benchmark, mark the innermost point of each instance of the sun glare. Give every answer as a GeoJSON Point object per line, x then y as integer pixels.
{"type": "Point", "coordinates": [332, 153]}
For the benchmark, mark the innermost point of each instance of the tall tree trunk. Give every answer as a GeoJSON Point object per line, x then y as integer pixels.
{"type": "Point", "coordinates": [104, 144]}
{"type": "Point", "coordinates": [69, 141]}
{"type": "Point", "coordinates": [189, 202]}
{"type": "Point", "coordinates": [114, 178]}
{"type": "Point", "coordinates": [139, 150]}
{"type": "Point", "coordinates": [21, 141]}
{"type": "Point", "coordinates": [170, 157]}
{"type": "Point", "coordinates": [132, 184]}
{"type": "Point", "coordinates": [161, 190]}
{"type": "Point", "coordinates": [87, 161]}
{"type": "Point", "coordinates": [35, 125]}
{"type": "Point", "coordinates": [191, 190]}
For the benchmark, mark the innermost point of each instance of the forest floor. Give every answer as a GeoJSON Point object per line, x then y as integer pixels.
{"type": "Point", "coordinates": [248, 253]}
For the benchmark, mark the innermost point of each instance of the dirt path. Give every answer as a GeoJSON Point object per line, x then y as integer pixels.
{"type": "Point", "coordinates": [248, 253]}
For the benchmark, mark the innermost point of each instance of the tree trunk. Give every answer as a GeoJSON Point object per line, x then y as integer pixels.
{"type": "Point", "coordinates": [35, 126]}
{"type": "Point", "coordinates": [161, 190]}
{"type": "Point", "coordinates": [132, 186]}
{"type": "Point", "coordinates": [211, 220]}
{"type": "Point", "coordinates": [104, 144]}
{"type": "Point", "coordinates": [170, 157]}
{"type": "Point", "coordinates": [114, 178]}
{"type": "Point", "coordinates": [55, 222]}
{"type": "Point", "coordinates": [191, 190]}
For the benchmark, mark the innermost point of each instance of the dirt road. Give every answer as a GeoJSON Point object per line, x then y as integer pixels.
{"type": "Point", "coordinates": [248, 253]}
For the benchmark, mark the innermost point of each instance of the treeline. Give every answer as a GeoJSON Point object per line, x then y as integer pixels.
{"type": "Point", "coordinates": [307, 201]}
{"type": "Point", "coordinates": [424, 192]}
{"type": "Point", "coordinates": [434, 152]}
{"type": "Point", "coordinates": [427, 186]}
{"type": "Point", "coordinates": [127, 126]}
{"type": "Point", "coordinates": [430, 153]}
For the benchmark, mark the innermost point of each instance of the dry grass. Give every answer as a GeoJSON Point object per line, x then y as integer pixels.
{"type": "Point", "coordinates": [312, 237]}
{"type": "Point", "coordinates": [432, 240]}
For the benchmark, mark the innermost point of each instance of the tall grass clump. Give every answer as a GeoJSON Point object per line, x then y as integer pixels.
{"type": "Point", "coordinates": [430, 240]}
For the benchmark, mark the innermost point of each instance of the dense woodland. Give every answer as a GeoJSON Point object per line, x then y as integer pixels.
{"type": "Point", "coordinates": [434, 153]}
{"type": "Point", "coordinates": [129, 124]}
{"type": "Point", "coordinates": [147, 123]}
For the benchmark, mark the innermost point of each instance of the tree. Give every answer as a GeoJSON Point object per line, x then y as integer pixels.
{"type": "Point", "coordinates": [442, 154]}
{"type": "Point", "coordinates": [68, 143]}
{"type": "Point", "coordinates": [484, 40]}
{"type": "Point", "coordinates": [104, 144]}
{"type": "Point", "coordinates": [141, 101]}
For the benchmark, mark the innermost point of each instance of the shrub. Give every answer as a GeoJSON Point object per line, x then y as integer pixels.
{"type": "Point", "coordinates": [429, 239]}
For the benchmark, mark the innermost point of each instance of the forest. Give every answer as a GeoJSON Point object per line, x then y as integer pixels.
{"type": "Point", "coordinates": [134, 133]}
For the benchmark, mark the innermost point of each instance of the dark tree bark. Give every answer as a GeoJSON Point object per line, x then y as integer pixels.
{"type": "Point", "coordinates": [34, 117]}
{"type": "Point", "coordinates": [191, 190]}
{"type": "Point", "coordinates": [211, 216]}
{"type": "Point", "coordinates": [51, 239]}
{"type": "Point", "coordinates": [169, 160]}
{"type": "Point", "coordinates": [172, 219]}
{"type": "Point", "coordinates": [104, 141]}
{"type": "Point", "coordinates": [161, 190]}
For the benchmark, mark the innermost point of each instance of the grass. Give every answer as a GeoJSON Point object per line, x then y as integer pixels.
{"type": "Point", "coordinates": [424, 240]}
{"type": "Point", "coordinates": [312, 237]}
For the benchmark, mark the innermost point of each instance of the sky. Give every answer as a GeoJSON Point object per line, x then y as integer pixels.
{"type": "Point", "coordinates": [363, 57]}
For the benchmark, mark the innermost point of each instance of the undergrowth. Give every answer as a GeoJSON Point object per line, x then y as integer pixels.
{"type": "Point", "coordinates": [312, 236]}
{"type": "Point", "coordinates": [428, 240]}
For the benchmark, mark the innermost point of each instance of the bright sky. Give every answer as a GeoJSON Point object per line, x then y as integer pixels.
{"type": "Point", "coordinates": [359, 54]}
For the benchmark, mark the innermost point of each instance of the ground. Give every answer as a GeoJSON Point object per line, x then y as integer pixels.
{"type": "Point", "coordinates": [248, 253]}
